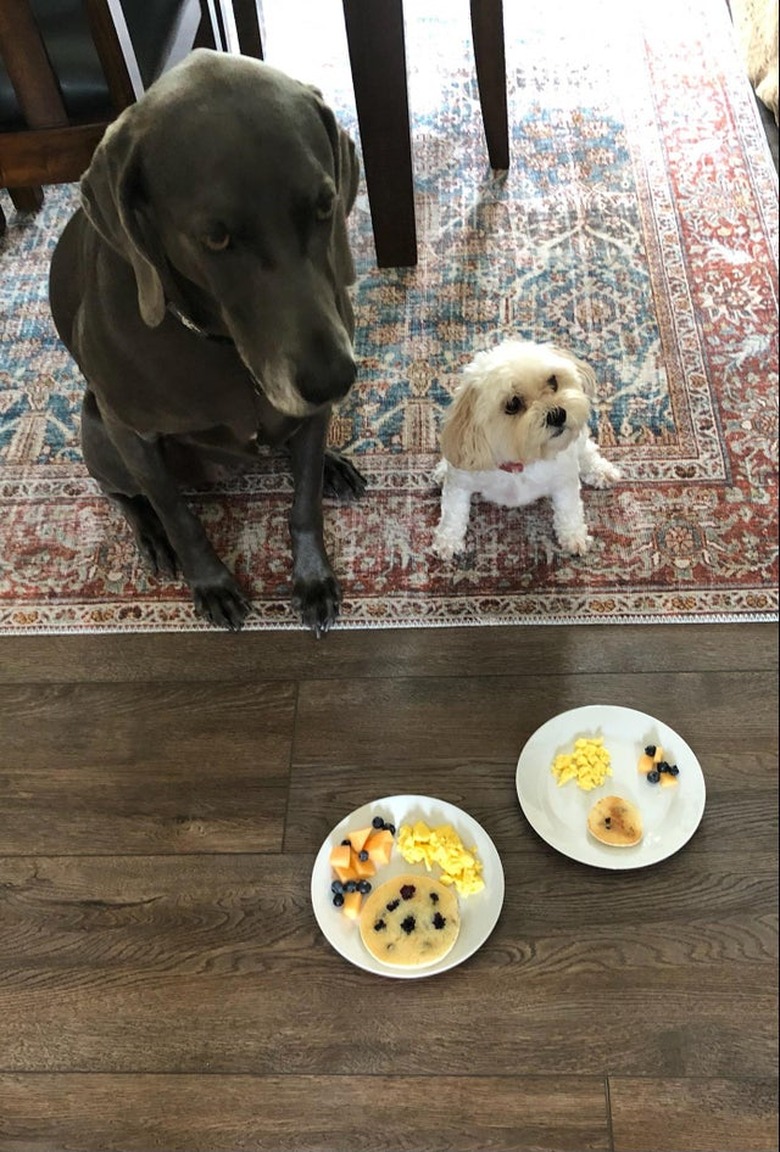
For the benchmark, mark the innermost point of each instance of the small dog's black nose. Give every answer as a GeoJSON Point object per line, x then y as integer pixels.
{"type": "Point", "coordinates": [556, 417]}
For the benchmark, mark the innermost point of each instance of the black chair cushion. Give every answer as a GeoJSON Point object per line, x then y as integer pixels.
{"type": "Point", "coordinates": [162, 32]}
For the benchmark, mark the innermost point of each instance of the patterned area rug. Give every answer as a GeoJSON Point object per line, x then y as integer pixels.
{"type": "Point", "coordinates": [637, 226]}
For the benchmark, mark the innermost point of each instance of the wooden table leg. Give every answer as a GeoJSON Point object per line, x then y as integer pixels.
{"type": "Point", "coordinates": [487, 28]}
{"type": "Point", "coordinates": [375, 36]}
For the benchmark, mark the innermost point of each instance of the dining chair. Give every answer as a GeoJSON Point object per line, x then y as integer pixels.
{"type": "Point", "coordinates": [68, 67]}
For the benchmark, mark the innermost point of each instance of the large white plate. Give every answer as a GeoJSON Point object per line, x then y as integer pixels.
{"type": "Point", "coordinates": [559, 813]}
{"type": "Point", "coordinates": [478, 912]}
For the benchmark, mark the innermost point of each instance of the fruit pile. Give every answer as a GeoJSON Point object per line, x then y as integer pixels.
{"type": "Point", "coordinates": [355, 860]}
{"type": "Point", "coordinates": [657, 770]}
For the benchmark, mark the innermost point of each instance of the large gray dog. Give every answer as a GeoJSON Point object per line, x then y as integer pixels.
{"type": "Point", "coordinates": [202, 290]}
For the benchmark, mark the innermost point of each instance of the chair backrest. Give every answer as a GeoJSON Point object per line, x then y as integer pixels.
{"type": "Point", "coordinates": [68, 68]}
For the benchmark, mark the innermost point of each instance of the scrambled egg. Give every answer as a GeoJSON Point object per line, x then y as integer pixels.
{"type": "Point", "coordinates": [418, 843]}
{"type": "Point", "coordinates": [588, 764]}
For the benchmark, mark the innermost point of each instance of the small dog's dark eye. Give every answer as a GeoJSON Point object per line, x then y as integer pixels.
{"type": "Point", "coordinates": [217, 241]}
{"type": "Point", "coordinates": [553, 382]}
{"type": "Point", "coordinates": [514, 405]}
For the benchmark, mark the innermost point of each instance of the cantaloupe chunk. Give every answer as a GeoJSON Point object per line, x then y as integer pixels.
{"type": "Point", "coordinates": [363, 869]}
{"type": "Point", "coordinates": [646, 764]}
{"type": "Point", "coordinates": [358, 838]}
{"type": "Point", "coordinates": [351, 905]}
{"type": "Point", "coordinates": [345, 874]}
{"type": "Point", "coordinates": [659, 754]}
{"type": "Point", "coordinates": [666, 780]}
{"type": "Point", "coordinates": [379, 847]}
{"type": "Point", "coordinates": [340, 856]}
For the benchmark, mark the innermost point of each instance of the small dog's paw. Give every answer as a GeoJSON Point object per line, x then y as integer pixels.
{"type": "Point", "coordinates": [576, 543]}
{"type": "Point", "coordinates": [604, 475]}
{"type": "Point", "coordinates": [445, 547]}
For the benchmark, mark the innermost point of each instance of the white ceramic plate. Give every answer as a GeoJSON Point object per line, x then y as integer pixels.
{"type": "Point", "coordinates": [479, 911]}
{"type": "Point", "coordinates": [670, 816]}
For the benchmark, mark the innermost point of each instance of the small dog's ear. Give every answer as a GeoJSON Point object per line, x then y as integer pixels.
{"type": "Point", "coordinates": [585, 374]}
{"type": "Point", "coordinates": [463, 440]}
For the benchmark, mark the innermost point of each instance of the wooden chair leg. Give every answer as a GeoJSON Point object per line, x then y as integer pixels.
{"type": "Point", "coordinates": [248, 15]}
{"type": "Point", "coordinates": [375, 37]}
{"type": "Point", "coordinates": [487, 28]}
{"type": "Point", "coordinates": [26, 199]}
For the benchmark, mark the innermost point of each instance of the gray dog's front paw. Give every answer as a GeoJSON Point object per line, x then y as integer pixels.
{"type": "Point", "coordinates": [341, 479]}
{"type": "Point", "coordinates": [318, 602]}
{"type": "Point", "coordinates": [221, 601]}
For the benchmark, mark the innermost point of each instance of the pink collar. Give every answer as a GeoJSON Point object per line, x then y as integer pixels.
{"type": "Point", "coordinates": [512, 467]}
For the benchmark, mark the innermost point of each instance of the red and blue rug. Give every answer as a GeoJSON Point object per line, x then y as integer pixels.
{"type": "Point", "coordinates": [636, 226]}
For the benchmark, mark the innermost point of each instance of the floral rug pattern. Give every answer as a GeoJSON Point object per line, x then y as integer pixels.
{"type": "Point", "coordinates": [637, 226]}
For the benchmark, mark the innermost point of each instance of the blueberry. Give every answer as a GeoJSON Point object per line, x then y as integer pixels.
{"type": "Point", "coordinates": [409, 925]}
{"type": "Point", "coordinates": [434, 897]}
{"type": "Point", "coordinates": [650, 750]}
{"type": "Point", "coordinates": [390, 828]}
{"type": "Point", "coordinates": [363, 855]}
{"type": "Point", "coordinates": [673, 770]}
{"type": "Point", "coordinates": [663, 766]}
{"type": "Point", "coordinates": [407, 891]}
{"type": "Point", "coordinates": [338, 899]}
{"type": "Point", "coordinates": [654, 776]}
{"type": "Point", "coordinates": [364, 887]}
{"type": "Point", "coordinates": [380, 924]}
{"type": "Point", "coordinates": [391, 907]}
{"type": "Point", "coordinates": [439, 921]}
{"type": "Point", "coordinates": [350, 886]}
{"type": "Point", "coordinates": [337, 886]}
{"type": "Point", "coordinates": [377, 822]}
{"type": "Point", "coordinates": [347, 842]}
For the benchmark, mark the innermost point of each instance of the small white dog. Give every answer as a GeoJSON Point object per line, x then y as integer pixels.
{"type": "Point", "coordinates": [517, 430]}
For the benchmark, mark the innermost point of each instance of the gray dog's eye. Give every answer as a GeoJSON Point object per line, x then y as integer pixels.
{"type": "Point", "coordinates": [514, 405]}
{"type": "Point", "coordinates": [323, 209]}
{"type": "Point", "coordinates": [553, 382]}
{"type": "Point", "coordinates": [217, 241]}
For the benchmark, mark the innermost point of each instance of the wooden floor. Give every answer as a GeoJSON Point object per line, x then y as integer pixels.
{"type": "Point", "coordinates": [164, 984]}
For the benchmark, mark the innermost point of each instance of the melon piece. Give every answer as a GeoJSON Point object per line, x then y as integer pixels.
{"type": "Point", "coordinates": [351, 905]}
{"type": "Point", "coordinates": [345, 874]}
{"type": "Point", "coordinates": [646, 764]}
{"type": "Point", "coordinates": [666, 780]}
{"type": "Point", "coordinates": [358, 838]}
{"type": "Point", "coordinates": [363, 869]}
{"type": "Point", "coordinates": [340, 856]}
{"type": "Point", "coordinates": [379, 847]}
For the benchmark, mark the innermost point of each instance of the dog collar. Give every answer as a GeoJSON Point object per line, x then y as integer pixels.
{"type": "Point", "coordinates": [193, 327]}
{"type": "Point", "coordinates": [514, 466]}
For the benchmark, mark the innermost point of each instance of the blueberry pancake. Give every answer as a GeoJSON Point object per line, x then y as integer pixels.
{"type": "Point", "coordinates": [410, 921]}
{"type": "Point", "coordinates": [615, 821]}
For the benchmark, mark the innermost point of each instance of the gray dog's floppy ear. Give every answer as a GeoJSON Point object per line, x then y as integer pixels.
{"type": "Point", "coordinates": [587, 376]}
{"type": "Point", "coordinates": [347, 174]}
{"type": "Point", "coordinates": [109, 192]}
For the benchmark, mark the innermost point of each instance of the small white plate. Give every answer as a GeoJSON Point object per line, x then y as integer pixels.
{"type": "Point", "coordinates": [670, 816]}
{"type": "Point", "coordinates": [478, 912]}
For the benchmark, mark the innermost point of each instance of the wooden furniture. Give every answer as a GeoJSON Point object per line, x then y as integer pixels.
{"type": "Point", "coordinates": [375, 35]}
{"type": "Point", "coordinates": [375, 39]}
{"type": "Point", "coordinates": [68, 68]}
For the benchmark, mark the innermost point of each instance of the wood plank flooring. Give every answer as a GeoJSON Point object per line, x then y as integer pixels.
{"type": "Point", "coordinates": [163, 981]}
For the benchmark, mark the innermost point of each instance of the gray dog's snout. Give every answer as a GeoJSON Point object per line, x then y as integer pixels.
{"type": "Point", "coordinates": [556, 418]}
{"type": "Point", "coordinates": [327, 376]}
